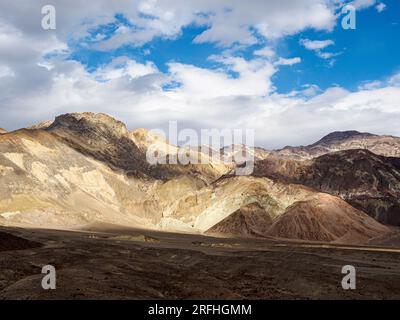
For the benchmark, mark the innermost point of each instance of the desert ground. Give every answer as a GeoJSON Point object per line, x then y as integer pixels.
{"type": "Point", "coordinates": [112, 262]}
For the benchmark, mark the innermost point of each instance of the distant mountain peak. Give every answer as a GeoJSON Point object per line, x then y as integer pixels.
{"type": "Point", "coordinates": [343, 135]}
{"type": "Point", "coordinates": [344, 140]}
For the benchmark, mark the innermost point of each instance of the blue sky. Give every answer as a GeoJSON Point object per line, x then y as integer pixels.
{"type": "Point", "coordinates": [371, 52]}
{"type": "Point", "coordinates": [286, 69]}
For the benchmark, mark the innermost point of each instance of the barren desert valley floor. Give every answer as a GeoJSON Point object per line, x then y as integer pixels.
{"type": "Point", "coordinates": [109, 262]}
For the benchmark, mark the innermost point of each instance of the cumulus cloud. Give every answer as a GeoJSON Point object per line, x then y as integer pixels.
{"type": "Point", "coordinates": [206, 98]}
{"type": "Point", "coordinates": [226, 21]}
{"type": "Point", "coordinates": [38, 82]}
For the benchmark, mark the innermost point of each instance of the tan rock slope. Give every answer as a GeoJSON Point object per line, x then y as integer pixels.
{"type": "Point", "coordinates": [45, 182]}
{"type": "Point", "coordinates": [85, 168]}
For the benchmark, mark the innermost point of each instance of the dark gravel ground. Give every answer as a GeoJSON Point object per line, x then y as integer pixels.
{"type": "Point", "coordinates": [133, 264]}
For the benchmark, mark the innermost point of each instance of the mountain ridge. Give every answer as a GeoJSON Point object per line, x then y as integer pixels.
{"type": "Point", "coordinates": [84, 168]}
{"type": "Point", "coordinates": [385, 145]}
{"type": "Point", "coordinates": [367, 181]}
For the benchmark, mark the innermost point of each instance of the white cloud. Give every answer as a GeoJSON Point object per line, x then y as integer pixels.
{"type": "Point", "coordinates": [362, 4]}
{"type": "Point", "coordinates": [122, 67]}
{"type": "Point", "coordinates": [266, 52]}
{"type": "Point", "coordinates": [380, 7]}
{"type": "Point", "coordinates": [288, 62]}
{"type": "Point", "coordinates": [227, 21]}
{"type": "Point", "coordinates": [370, 85]}
{"type": "Point", "coordinates": [210, 99]}
{"type": "Point", "coordinates": [394, 80]}
{"type": "Point", "coordinates": [316, 44]}
{"type": "Point", "coordinates": [307, 91]}
{"type": "Point", "coordinates": [328, 55]}
{"type": "Point", "coordinates": [253, 79]}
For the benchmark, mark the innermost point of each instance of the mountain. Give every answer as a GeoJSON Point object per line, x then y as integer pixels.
{"type": "Point", "coordinates": [45, 182]}
{"type": "Point", "coordinates": [103, 138]}
{"type": "Point", "coordinates": [231, 152]}
{"type": "Point", "coordinates": [2, 131]}
{"type": "Point", "coordinates": [318, 217]}
{"type": "Point", "coordinates": [247, 206]}
{"type": "Point", "coordinates": [84, 168]}
{"type": "Point", "coordinates": [388, 146]}
{"type": "Point", "coordinates": [202, 165]}
{"type": "Point", "coordinates": [328, 219]}
{"type": "Point", "coordinates": [366, 180]}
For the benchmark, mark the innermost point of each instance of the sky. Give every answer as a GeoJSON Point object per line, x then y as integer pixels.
{"type": "Point", "coordinates": [287, 69]}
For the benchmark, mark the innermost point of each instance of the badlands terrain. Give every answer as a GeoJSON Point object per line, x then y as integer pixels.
{"type": "Point", "coordinates": [79, 193]}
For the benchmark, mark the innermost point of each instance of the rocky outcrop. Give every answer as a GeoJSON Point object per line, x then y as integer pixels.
{"type": "Point", "coordinates": [102, 138]}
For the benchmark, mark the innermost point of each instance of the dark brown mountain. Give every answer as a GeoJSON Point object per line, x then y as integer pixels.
{"type": "Point", "coordinates": [367, 181]}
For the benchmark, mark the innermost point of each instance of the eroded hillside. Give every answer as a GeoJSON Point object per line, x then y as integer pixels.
{"type": "Point", "coordinates": [86, 168]}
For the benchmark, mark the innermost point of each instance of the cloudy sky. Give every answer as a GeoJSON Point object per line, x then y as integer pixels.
{"type": "Point", "coordinates": [284, 68]}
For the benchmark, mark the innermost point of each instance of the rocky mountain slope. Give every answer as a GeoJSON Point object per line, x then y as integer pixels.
{"type": "Point", "coordinates": [367, 181]}
{"type": "Point", "coordinates": [85, 168]}
{"type": "Point", "coordinates": [388, 146]}
{"type": "Point", "coordinates": [269, 209]}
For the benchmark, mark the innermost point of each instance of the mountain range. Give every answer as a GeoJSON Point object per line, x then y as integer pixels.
{"type": "Point", "coordinates": [86, 168]}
